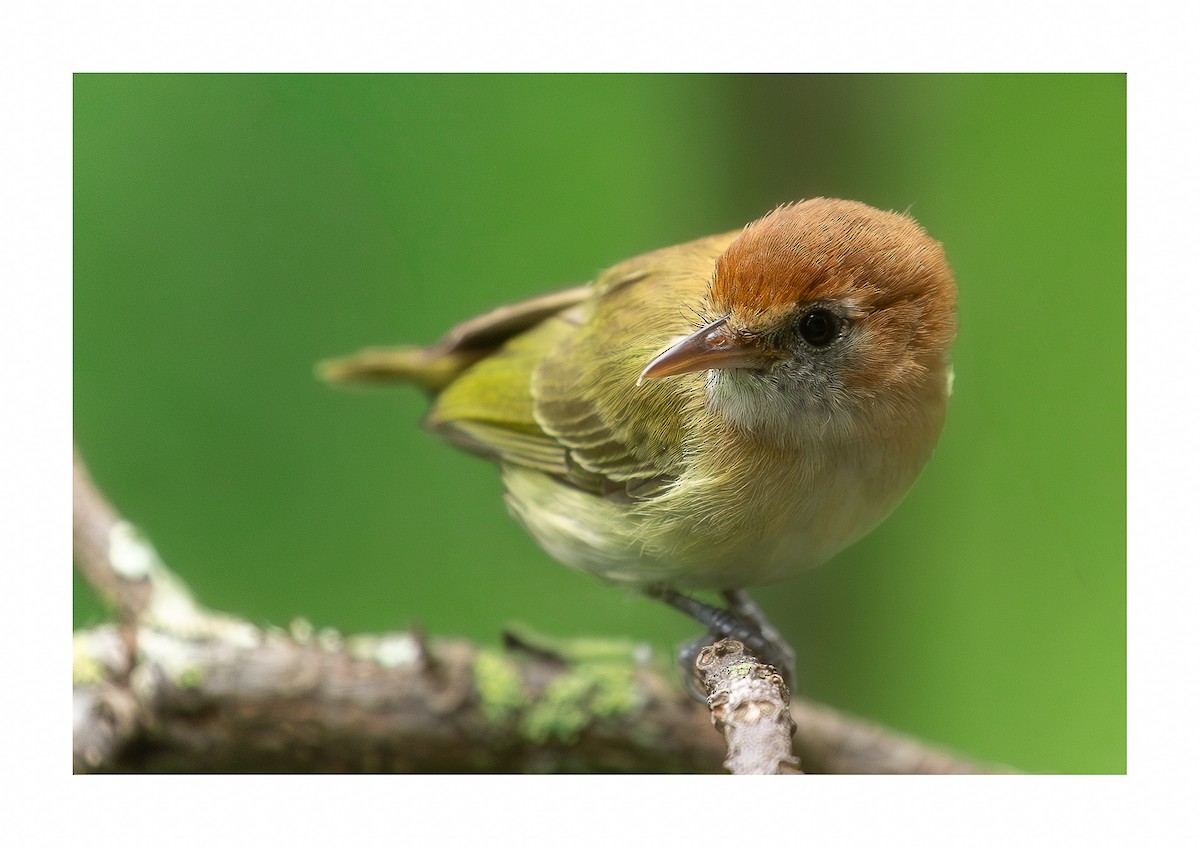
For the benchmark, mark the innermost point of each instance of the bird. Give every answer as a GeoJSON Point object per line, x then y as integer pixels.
{"type": "Point", "coordinates": [711, 416]}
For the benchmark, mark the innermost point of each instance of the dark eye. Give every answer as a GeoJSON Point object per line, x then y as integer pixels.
{"type": "Point", "coordinates": [819, 327]}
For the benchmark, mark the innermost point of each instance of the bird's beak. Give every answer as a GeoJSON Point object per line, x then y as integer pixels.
{"type": "Point", "coordinates": [712, 346]}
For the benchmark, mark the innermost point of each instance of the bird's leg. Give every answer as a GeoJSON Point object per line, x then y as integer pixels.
{"type": "Point", "coordinates": [777, 651]}
{"type": "Point", "coordinates": [743, 621]}
{"type": "Point", "coordinates": [720, 621]}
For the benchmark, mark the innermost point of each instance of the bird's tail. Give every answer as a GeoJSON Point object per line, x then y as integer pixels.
{"type": "Point", "coordinates": [432, 368]}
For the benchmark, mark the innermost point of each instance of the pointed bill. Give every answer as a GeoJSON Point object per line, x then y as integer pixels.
{"type": "Point", "coordinates": [712, 346]}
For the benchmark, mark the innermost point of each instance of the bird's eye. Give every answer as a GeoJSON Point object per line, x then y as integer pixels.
{"type": "Point", "coordinates": [819, 327]}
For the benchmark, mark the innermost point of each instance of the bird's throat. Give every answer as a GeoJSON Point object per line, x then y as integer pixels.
{"type": "Point", "coordinates": [757, 405]}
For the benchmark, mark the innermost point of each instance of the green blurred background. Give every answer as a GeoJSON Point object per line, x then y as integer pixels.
{"type": "Point", "coordinates": [230, 231]}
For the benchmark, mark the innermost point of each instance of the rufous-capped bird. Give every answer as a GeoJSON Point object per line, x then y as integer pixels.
{"type": "Point", "coordinates": [715, 415]}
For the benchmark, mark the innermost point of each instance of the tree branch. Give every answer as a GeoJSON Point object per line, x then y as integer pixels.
{"type": "Point", "coordinates": [749, 704]}
{"type": "Point", "coordinates": [175, 687]}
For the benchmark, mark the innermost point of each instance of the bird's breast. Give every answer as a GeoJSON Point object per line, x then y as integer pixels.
{"type": "Point", "coordinates": [743, 510]}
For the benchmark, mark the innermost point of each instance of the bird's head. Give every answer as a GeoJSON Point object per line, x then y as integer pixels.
{"type": "Point", "coordinates": [820, 315]}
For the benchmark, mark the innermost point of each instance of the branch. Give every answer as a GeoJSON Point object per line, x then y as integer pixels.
{"type": "Point", "coordinates": [749, 704]}
{"type": "Point", "coordinates": [175, 687]}
{"type": "Point", "coordinates": [100, 555]}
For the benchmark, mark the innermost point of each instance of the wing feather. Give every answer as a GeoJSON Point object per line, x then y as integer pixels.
{"type": "Point", "coordinates": [562, 397]}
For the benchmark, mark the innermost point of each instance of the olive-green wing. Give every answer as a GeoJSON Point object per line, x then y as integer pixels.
{"type": "Point", "coordinates": [587, 394]}
{"type": "Point", "coordinates": [563, 398]}
{"type": "Point", "coordinates": [488, 409]}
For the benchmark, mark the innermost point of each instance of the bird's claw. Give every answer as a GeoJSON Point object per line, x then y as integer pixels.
{"type": "Point", "coordinates": [743, 620]}
{"type": "Point", "coordinates": [773, 652]}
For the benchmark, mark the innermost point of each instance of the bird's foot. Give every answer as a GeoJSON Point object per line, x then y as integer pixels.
{"type": "Point", "coordinates": [686, 658]}
{"type": "Point", "coordinates": [743, 621]}
{"type": "Point", "coordinates": [775, 649]}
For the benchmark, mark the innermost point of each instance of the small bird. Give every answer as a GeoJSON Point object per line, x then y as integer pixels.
{"type": "Point", "coordinates": [711, 416]}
